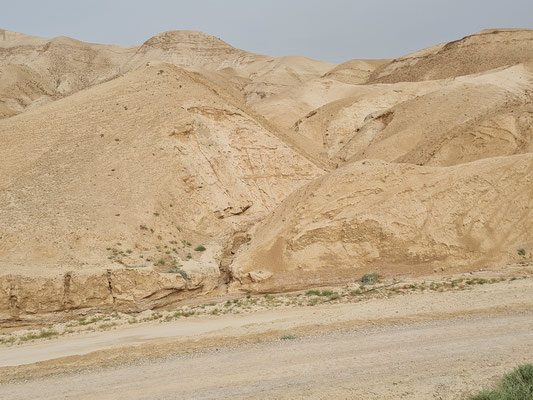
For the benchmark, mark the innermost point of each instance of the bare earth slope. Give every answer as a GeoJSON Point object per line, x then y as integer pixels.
{"type": "Point", "coordinates": [336, 123]}
{"type": "Point", "coordinates": [371, 216]}
{"type": "Point", "coordinates": [355, 71]}
{"type": "Point", "coordinates": [470, 118]}
{"type": "Point", "coordinates": [137, 177]}
{"type": "Point", "coordinates": [483, 51]}
{"type": "Point", "coordinates": [257, 76]}
{"type": "Point", "coordinates": [35, 70]}
{"type": "Point", "coordinates": [136, 172]}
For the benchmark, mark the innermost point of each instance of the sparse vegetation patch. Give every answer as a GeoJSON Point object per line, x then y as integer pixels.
{"type": "Point", "coordinates": [516, 385]}
{"type": "Point", "coordinates": [370, 279]}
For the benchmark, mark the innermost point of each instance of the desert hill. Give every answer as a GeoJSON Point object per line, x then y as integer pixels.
{"type": "Point", "coordinates": [157, 160]}
{"type": "Point", "coordinates": [473, 117]}
{"type": "Point", "coordinates": [332, 125]}
{"type": "Point", "coordinates": [136, 177]}
{"type": "Point", "coordinates": [483, 51]}
{"type": "Point", "coordinates": [36, 70]}
{"type": "Point", "coordinates": [10, 35]}
{"type": "Point", "coordinates": [393, 218]}
{"type": "Point", "coordinates": [257, 75]}
{"type": "Point", "coordinates": [190, 48]}
{"type": "Point", "coordinates": [355, 71]}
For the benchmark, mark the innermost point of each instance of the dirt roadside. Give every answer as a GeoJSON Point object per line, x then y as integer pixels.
{"type": "Point", "coordinates": [440, 359]}
{"type": "Point", "coordinates": [465, 338]}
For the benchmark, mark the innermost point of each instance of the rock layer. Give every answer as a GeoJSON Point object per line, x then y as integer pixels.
{"type": "Point", "coordinates": [25, 299]}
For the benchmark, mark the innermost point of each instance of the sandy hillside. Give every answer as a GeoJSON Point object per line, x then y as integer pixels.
{"type": "Point", "coordinates": [257, 75]}
{"type": "Point", "coordinates": [470, 118]}
{"type": "Point", "coordinates": [136, 177]}
{"type": "Point", "coordinates": [483, 51]}
{"type": "Point", "coordinates": [35, 71]}
{"type": "Point", "coordinates": [372, 216]}
{"type": "Point", "coordinates": [161, 172]}
{"type": "Point", "coordinates": [355, 71]}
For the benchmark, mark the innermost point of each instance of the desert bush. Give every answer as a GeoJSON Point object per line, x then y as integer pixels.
{"type": "Point", "coordinates": [516, 385]}
{"type": "Point", "coordinates": [200, 248]}
{"type": "Point", "coordinates": [326, 293]}
{"type": "Point", "coordinates": [7, 340]}
{"type": "Point", "coordinates": [288, 337]}
{"type": "Point", "coordinates": [370, 279]}
{"type": "Point", "coordinates": [43, 333]}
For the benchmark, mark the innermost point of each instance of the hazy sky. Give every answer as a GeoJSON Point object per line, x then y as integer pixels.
{"type": "Point", "coordinates": [331, 30]}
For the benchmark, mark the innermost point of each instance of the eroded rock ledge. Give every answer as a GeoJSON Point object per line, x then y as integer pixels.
{"type": "Point", "coordinates": [25, 299]}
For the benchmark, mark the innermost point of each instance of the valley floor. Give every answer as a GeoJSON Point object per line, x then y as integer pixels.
{"type": "Point", "coordinates": [425, 345]}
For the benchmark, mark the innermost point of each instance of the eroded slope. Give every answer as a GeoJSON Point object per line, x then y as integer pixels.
{"type": "Point", "coordinates": [470, 118]}
{"type": "Point", "coordinates": [371, 216]}
{"type": "Point", "coordinates": [35, 71]}
{"type": "Point", "coordinates": [134, 175]}
{"type": "Point", "coordinates": [483, 51]}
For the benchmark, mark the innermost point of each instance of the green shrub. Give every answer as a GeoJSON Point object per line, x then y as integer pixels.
{"type": "Point", "coordinates": [108, 325]}
{"type": "Point", "coordinates": [313, 301]}
{"type": "Point", "coordinates": [43, 333]}
{"type": "Point", "coordinates": [7, 340]}
{"type": "Point", "coordinates": [200, 248]}
{"type": "Point", "coordinates": [370, 279]}
{"type": "Point", "coordinates": [522, 252]}
{"type": "Point", "coordinates": [288, 337]}
{"type": "Point", "coordinates": [516, 385]}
